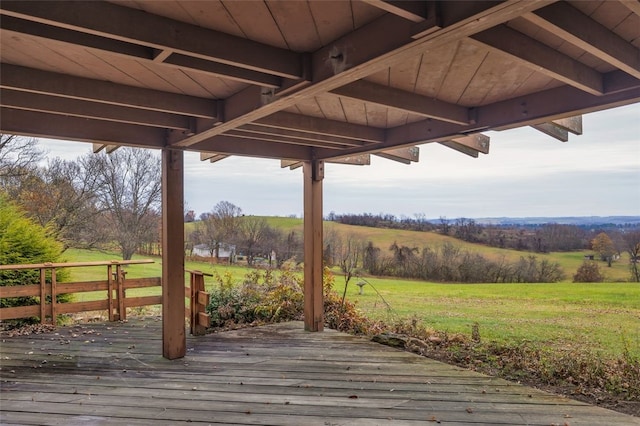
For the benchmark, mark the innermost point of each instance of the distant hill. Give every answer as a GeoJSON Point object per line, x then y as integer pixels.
{"type": "Point", "coordinates": [568, 220]}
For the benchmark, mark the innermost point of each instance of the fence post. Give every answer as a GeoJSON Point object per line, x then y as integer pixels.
{"type": "Point", "coordinates": [200, 320]}
{"type": "Point", "coordinates": [43, 296]}
{"type": "Point", "coordinates": [122, 311]}
{"type": "Point", "coordinates": [110, 292]}
{"type": "Point", "coordinates": [54, 297]}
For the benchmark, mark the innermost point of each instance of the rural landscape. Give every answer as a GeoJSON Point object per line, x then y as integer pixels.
{"type": "Point", "coordinates": [554, 305]}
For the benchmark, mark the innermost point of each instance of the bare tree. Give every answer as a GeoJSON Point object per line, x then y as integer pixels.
{"type": "Point", "coordinates": [253, 235]}
{"type": "Point", "coordinates": [349, 252]}
{"type": "Point", "coordinates": [632, 246]}
{"type": "Point", "coordinates": [18, 156]}
{"type": "Point", "coordinates": [129, 192]}
{"type": "Point", "coordinates": [62, 197]}
{"type": "Point", "coordinates": [219, 226]}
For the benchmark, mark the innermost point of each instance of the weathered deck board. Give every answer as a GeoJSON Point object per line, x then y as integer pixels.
{"type": "Point", "coordinates": [114, 374]}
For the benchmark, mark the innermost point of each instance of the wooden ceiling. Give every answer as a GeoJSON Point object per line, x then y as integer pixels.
{"type": "Point", "coordinates": [311, 80]}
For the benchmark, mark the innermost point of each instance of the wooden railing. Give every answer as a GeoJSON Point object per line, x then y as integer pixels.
{"type": "Point", "coordinates": [116, 302]}
{"type": "Point", "coordinates": [115, 284]}
{"type": "Point", "coordinates": [199, 319]}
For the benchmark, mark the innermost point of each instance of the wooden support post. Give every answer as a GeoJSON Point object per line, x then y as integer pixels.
{"type": "Point", "coordinates": [54, 297]}
{"type": "Point", "coordinates": [110, 292]}
{"type": "Point", "coordinates": [122, 311]}
{"type": "Point", "coordinates": [43, 296]}
{"type": "Point", "coordinates": [313, 298]}
{"type": "Point", "coordinates": [174, 342]}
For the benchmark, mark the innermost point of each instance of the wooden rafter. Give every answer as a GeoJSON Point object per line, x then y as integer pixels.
{"type": "Point", "coordinates": [415, 11]}
{"type": "Point", "coordinates": [314, 125]}
{"type": "Point", "coordinates": [541, 57]}
{"type": "Point", "coordinates": [377, 94]}
{"type": "Point", "coordinates": [137, 27]}
{"type": "Point", "coordinates": [383, 42]}
{"type": "Point", "coordinates": [38, 124]}
{"type": "Point", "coordinates": [228, 145]}
{"type": "Point", "coordinates": [168, 57]}
{"type": "Point", "coordinates": [404, 155]}
{"type": "Point", "coordinates": [212, 157]}
{"type": "Point", "coordinates": [270, 137]}
{"type": "Point", "coordinates": [571, 25]}
{"type": "Point", "coordinates": [561, 128]}
{"type": "Point", "coordinates": [86, 109]}
{"type": "Point", "coordinates": [544, 106]}
{"type": "Point", "coordinates": [66, 86]}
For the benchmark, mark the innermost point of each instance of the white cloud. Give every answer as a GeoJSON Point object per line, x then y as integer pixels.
{"type": "Point", "coordinates": [526, 174]}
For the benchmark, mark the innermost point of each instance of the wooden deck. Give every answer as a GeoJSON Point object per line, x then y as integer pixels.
{"type": "Point", "coordinates": [113, 373]}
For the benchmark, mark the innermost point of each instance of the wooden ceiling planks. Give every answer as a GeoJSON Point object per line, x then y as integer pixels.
{"type": "Point", "coordinates": [256, 22]}
{"type": "Point", "coordinates": [297, 25]}
{"type": "Point", "coordinates": [433, 69]}
{"type": "Point", "coordinates": [456, 73]}
{"type": "Point", "coordinates": [467, 60]}
{"type": "Point", "coordinates": [327, 26]}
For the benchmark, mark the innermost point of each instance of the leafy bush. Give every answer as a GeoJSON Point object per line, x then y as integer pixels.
{"type": "Point", "coordinates": [263, 296]}
{"type": "Point", "coordinates": [22, 241]}
{"type": "Point", "coordinates": [588, 272]}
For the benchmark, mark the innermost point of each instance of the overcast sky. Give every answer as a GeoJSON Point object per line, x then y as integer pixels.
{"type": "Point", "coordinates": [526, 174]}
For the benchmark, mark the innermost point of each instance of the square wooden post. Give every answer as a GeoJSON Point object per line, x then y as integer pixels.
{"type": "Point", "coordinates": [174, 343]}
{"type": "Point", "coordinates": [313, 297]}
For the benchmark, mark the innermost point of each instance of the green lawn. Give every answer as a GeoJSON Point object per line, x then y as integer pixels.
{"type": "Point", "coordinates": [603, 317]}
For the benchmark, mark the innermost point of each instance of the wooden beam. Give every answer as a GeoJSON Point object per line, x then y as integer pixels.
{"type": "Point", "coordinates": [213, 157]}
{"type": "Point", "coordinates": [62, 85]}
{"type": "Point", "coordinates": [223, 70]}
{"type": "Point", "coordinates": [291, 164]}
{"type": "Point", "coordinates": [139, 27]}
{"type": "Point", "coordinates": [632, 5]}
{"type": "Point", "coordinates": [548, 105]}
{"type": "Point", "coordinates": [475, 141]}
{"type": "Point", "coordinates": [460, 148]}
{"type": "Point", "coordinates": [16, 27]}
{"type": "Point", "coordinates": [97, 147]}
{"type": "Point", "coordinates": [306, 136]}
{"type": "Point", "coordinates": [575, 27]}
{"type": "Point", "coordinates": [414, 11]}
{"type": "Point", "coordinates": [321, 126]}
{"type": "Point", "coordinates": [390, 97]}
{"type": "Point", "coordinates": [541, 58]}
{"type": "Point", "coordinates": [552, 130]}
{"type": "Point", "coordinates": [228, 145]}
{"type": "Point", "coordinates": [405, 155]}
{"type": "Point", "coordinates": [571, 124]}
{"type": "Point", "coordinates": [38, 124]}
{"type": "Point", "coordinates": [174, 344]}
{"type": "Point", "coordinates": [380, 44]}
{"type": "Point", "coordinates": [86, 109]}
{"type": "Point", "coordinates": [313, 173]}
{"type": "Point", "coordinates": [271, 137]}
{"type": "Point", "coordinates": [354, 160]}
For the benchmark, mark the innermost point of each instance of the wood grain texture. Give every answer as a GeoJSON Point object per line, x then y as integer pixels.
{"type": "Point", "coordinates": [111, 373]}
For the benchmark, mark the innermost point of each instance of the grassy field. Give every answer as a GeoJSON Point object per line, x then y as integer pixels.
{"type": "Point", "coordinates": [602, 317]}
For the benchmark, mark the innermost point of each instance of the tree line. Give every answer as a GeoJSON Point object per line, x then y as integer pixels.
{"type": "Point", "coordinates": [97, 201]}
{"type": "Point", "coordinates": [249, 236]}
{"type": "Point", "coordinates": [112, 201]}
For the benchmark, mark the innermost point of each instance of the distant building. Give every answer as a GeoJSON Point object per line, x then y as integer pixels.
{"type": "Point", "coordinates": [226, 252]}
{"type": "Point", "coordinates": [190, 216]}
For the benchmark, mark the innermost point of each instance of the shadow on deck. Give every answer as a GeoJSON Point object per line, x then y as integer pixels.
{"type": "Point", "coordinates": [113, 373]}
